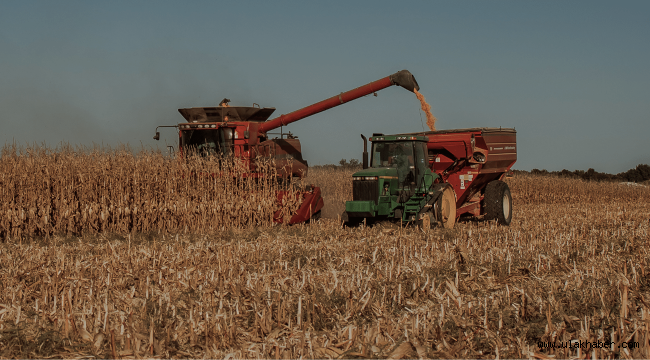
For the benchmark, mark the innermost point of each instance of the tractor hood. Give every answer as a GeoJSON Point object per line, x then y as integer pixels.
{"type": "Point", "coordinates": [379, 172]}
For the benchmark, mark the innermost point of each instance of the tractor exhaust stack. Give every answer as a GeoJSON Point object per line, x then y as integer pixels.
{"type": "Point", "coordinates": [365, 152]}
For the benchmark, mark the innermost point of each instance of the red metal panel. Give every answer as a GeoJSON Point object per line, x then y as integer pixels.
{"type": "Point", "coordinates": [312, 202]}
{"type": "Point", "coordinates": [502, 151]}
{"type": "Point", "coordinates": [326, 104]}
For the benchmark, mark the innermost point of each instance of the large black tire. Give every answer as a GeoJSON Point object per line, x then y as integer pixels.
{"type": "Point", "coordinates": [498, 202]}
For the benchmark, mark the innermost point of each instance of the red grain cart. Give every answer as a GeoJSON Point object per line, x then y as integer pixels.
{"type": "Point", "coordinates": [474, 162]}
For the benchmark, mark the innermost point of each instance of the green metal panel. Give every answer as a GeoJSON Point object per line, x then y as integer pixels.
{"type": "Point", "coordinates": [360, 207]}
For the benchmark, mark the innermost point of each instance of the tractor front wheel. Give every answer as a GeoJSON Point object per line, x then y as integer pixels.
{"type": "Point", "coordinates": [498, 202]}
{"type": "Point", "coordinates": [350, 221]}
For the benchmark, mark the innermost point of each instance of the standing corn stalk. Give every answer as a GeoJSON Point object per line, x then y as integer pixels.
{"type": "Point", "coordinates": [112, 190]}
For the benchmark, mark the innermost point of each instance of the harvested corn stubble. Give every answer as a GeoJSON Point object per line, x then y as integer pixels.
{"type": "Point", "coordinates": [571, 267]}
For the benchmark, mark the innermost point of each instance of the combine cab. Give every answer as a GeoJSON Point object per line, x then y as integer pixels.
{"type": "Point", "coordinates": [432, 178]}
{"type": "Point", "coordinates": [242, 132]}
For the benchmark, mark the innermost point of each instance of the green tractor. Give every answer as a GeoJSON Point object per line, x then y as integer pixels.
{"type": "Point", "coordinates": [399, 185]}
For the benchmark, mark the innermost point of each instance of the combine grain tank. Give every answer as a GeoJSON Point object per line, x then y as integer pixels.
{"type": "Point", "coordinates": [243, 133]}
{"type": "Point", "coordinates": [435, 177]}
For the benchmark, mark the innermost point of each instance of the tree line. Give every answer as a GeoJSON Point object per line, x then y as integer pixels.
{"type": "Point", "coordinates": [638, 174]}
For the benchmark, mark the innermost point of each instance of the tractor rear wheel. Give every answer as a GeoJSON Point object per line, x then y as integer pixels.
{"type": "Point", "coordinates": [425, 222]}
{"type": "Point", "coordinates": [498, 202]}
{"type": "Point", "coordinates": [447, 211]}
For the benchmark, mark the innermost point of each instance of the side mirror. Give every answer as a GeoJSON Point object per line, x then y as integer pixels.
{"type": "Point", "coordinates": [157, 136]}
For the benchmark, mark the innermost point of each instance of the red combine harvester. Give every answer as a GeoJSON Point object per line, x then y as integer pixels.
{"type": "Point", "coordinates": [242, 132]}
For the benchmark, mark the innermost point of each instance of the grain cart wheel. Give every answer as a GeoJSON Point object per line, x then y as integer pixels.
{"type": "Point", "coordinates": [498, 202]}
{"type": "Point", "coordinates": [447, 210]}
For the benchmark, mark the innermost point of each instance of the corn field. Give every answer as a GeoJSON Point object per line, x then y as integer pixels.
{"type": "Point", "coordinates": [67, 191]}
{"type": "Point", "coordinates": [571, 267]}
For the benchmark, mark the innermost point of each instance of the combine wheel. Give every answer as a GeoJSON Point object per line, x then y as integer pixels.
{"type": "Point", "coordinates": [498, 202]}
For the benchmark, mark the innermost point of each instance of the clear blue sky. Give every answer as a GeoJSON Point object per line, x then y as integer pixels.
{"type": "Point", "coordinates": [571, 77]}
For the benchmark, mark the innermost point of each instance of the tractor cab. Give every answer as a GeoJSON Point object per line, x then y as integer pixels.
{"type": "Point", "coordinates": [406, 156]}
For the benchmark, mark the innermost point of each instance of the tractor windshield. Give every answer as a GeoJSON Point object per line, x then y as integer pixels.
{"type": "Point", "coordinates": [407, 156]}
{"type": "Point", "coordinates": [392, 154]}
{"type": "Point", "coordinates": [208, 142]}
{"type": "Point", "coordinates": [397, 155]}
